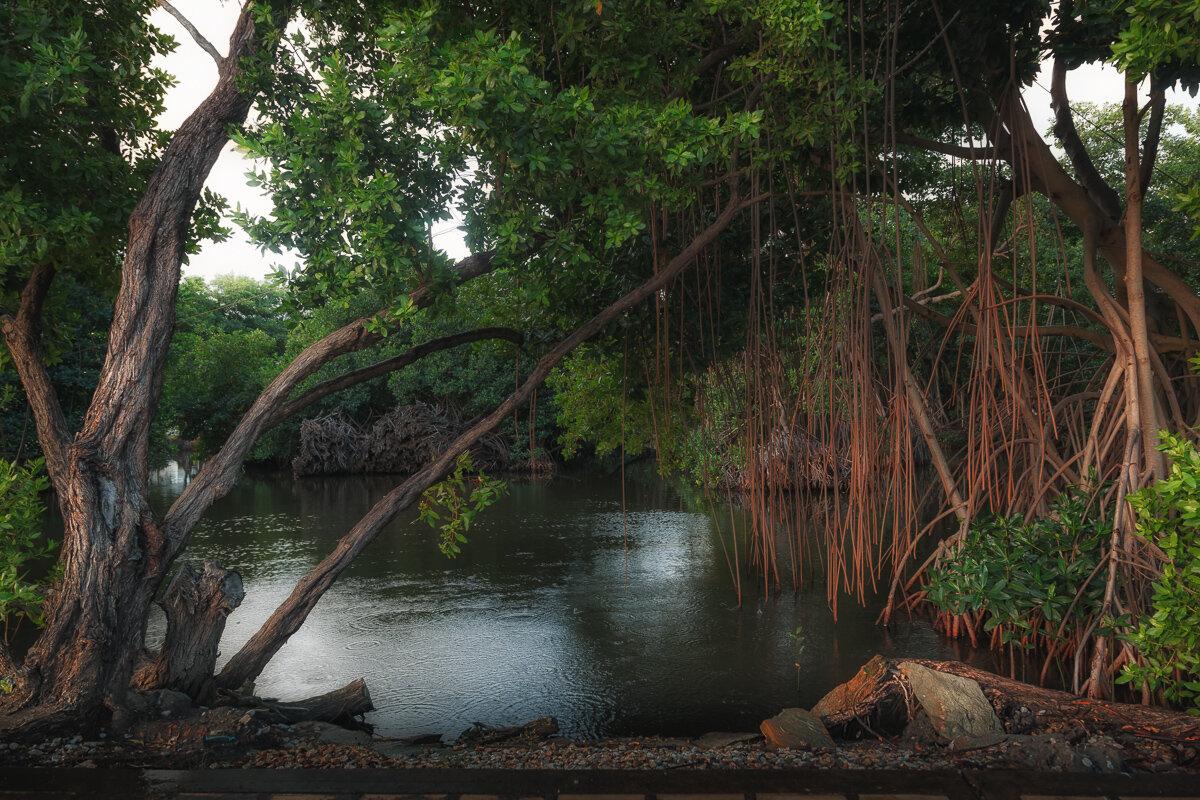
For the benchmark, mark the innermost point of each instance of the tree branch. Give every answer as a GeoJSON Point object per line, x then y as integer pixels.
{"type": "Point", "coordinates": [220, 472]}
{"type": "Point", "coordinates": [248, 662]}
{"type": "Point", "coordinates": [955, 150]}
{"type": "Point", "coordinates": [334, 385]}
{"type": "Point", "coordinates": [23, 336]}
{"type": "Point", "coordinates": [198, 37]}
{"type": "Point", "coordinates": [1103, 195]}
{"type": "Point", "coordinates": [118, 419]}
{"type": "Point", "coordinates": [1158, 104]}
{"type": "Point", "coordinates": [716, 57]}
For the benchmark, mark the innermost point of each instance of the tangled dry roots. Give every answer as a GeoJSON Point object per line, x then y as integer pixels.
{"type": "Point", "coordinates": [401, 441]}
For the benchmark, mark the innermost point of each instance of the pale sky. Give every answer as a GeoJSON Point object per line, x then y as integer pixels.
{"type": "Point", "coordinates": [196, 74]}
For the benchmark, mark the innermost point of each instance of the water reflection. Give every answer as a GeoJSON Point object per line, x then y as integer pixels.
{"type": "Point", "coordinates": [560, 605]}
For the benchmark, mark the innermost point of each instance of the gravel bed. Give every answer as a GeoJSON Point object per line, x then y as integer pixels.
{"type": "Point", "coordinates": [283, 746]}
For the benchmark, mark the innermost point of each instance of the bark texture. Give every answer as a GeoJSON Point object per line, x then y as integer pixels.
{"type": "Point", "coordinates": [114, 555]}
{"type": "Point", "coordinates": [196, 602]}
{"type": "Point", "coordinates": [339, 706]}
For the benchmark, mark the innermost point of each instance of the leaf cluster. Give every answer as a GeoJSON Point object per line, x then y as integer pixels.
{"type": "Point", "coordinates": [23, 544]}
{"type": "Point", "coordinates": [451, 505]}
{"type": "Point", "coordinates": [1036, 580]}
{"type": "Point", "coordinates": [1168, 637]}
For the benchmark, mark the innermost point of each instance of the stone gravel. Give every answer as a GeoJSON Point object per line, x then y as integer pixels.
{"type": "Point", "coordinates": [284, 746]}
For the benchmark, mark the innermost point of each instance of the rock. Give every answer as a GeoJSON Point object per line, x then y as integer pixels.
{"type": "Point", "coordinates": [328, 733]}
{"type": "Point", "coordinates": [963, 743]}
{"type": "Point", "coordinates": [484, 734]}
{"type": "Point", "coordinates": [920, 731]}
{"type": "Point", "coordinates": [1046, 751]}
{"type": "Point", "coordinates": [172, 703]}
{"type": "Point", "coordinates": [724, 739]}
{"type": "Point", "coordinates": [1104, 755]}
{"type": "Point", "coordinates": [1053, 751]}
{"type": "Point", "coordinates": [797, 729]}
{"type": "Point", "coordinates": [955, 705]}
{"type": "Point", "coordinates": [872, 703]}
{"type": "Point", "coordinates": [396, 748]}
{"type": "Point", "coordinates": [421, 739]}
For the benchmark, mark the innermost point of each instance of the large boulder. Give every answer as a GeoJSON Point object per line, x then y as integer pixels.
{"type": "Point", "coordinates": [955, 705]}
{"type": "Point", "coordinates": [796, 729]}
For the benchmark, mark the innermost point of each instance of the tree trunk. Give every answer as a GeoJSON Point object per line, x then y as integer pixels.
{"type": "Point", "coordinates": [82, 660]}
{"type": "Point", "coordinates": [114, 555]}
{"type": "Point", "coordinates": [197, 604]}
{"type": "Point", "coordinates": [1146, 416]}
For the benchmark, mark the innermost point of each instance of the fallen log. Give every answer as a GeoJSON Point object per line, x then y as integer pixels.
{"type": "Point", "coordinates": [340, 706]}
{"type": "Point", "coordinates": [878, 702]}
{"type": "Point", "coordinates": [1050, 706]}
{"type": "Point", "coordinates": [484, 734]}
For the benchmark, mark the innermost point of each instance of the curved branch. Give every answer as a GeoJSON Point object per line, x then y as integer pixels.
{"type": "Point", "coordinates": [23, 335]}
{"type": "Point", "coordinates": [1030, 154]}
{"type": "Point", "coordinates": [334, 385]}
{"type": "Point", "coordinates": [220, 472]}
{"type": "Point", "coordinates": [198, 37]}
{"type": "Point", "coordinates": [1101, 193]}
{"type": "Point", "coordinates": [970, 153]}
{"type": "Point", "coordinates": [118, 419]}
{"type": "Point", "coordinates": [1158, 103]}
{"type": "Point", "coordinates": [248, 662]}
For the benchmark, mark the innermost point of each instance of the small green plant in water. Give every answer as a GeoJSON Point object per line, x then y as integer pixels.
{"type": "Point", "coordinates": [451, 505]}
{"type": "Point", "coordinates": [798, 639]}
{"type": "Point", "coordinates": [22, 544]}
{"type": "Point", "coordinates": [1168, 639]}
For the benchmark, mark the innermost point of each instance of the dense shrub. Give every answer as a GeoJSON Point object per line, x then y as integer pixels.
{"type": "Point", "coordinates": [1168, 638]}
{"type": "Point", "coordinates": [22, 544]}
{"type": "Point", "coordinates": [1031, 583]}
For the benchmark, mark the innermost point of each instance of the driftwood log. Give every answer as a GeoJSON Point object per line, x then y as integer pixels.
{"type": "Point", "coordinates": [485, 734]}
{"type": "Point", "coordinates": [878, 702]}
{"type": "Point", "coordinates": [341, 706]}
{"type": "Point", "coordinates": [196, 603]}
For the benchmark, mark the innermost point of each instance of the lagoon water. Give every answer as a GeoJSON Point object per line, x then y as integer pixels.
{"type": "Point", "coordinates": [617, 617]}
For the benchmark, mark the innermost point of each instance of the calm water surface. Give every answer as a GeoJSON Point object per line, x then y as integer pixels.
{"type": "Point", "coordinates": [615, 623]}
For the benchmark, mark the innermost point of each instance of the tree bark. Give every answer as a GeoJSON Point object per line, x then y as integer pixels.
{"type": "Point", "coordinates": [23, 335]}
{"type": "Point", "coordinates": [113, 552]}
{"type": "Point", "coordinates": [1146, 412]}
{"type": "Point", "coordinates": [197, 604]}
{"type": "Point", "coordinates": [339, 706]}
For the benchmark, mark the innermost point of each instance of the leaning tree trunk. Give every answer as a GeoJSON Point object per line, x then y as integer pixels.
{"type": "Point", "coordinates": [249, 662]}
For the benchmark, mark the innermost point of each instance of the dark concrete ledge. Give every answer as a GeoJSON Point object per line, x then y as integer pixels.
{"type": "Point", "coordinates": [460, 784]}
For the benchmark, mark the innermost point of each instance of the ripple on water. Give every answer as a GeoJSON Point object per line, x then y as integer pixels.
{"type": "Point", "coordinates": [375, 619]}
{"type": "Point", "coordinates": [563, 605]}
{"type": "Point", "coordinates": [364, 644]}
